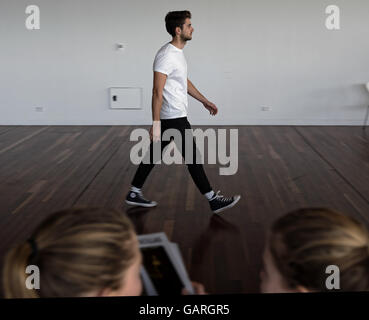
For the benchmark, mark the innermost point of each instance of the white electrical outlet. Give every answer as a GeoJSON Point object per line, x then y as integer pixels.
{"type": "Point", "coordinates": [39, 109]}
{"type": "Point", "coordinates": [266, 108]}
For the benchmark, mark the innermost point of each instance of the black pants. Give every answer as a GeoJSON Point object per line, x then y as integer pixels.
{"type": "Point", "coordinates": [196, 170]}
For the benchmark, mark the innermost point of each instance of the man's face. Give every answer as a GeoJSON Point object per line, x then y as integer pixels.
{"type": "Point", "coordinates": [187, 29]}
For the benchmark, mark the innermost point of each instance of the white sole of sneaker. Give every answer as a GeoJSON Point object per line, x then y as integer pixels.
{"type": "Point", "coordinates": [237, 198]}
{"type": "Point", "coordinates": [149, 205]}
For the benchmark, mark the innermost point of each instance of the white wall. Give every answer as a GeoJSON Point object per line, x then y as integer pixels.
{"type": "Point", "coordinates": [244, 55]}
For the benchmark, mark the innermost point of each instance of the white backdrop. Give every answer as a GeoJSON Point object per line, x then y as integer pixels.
{"type": "Point", "coordinates": [244, 55]}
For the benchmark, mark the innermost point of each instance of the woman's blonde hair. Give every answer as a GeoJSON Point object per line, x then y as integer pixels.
{"type": "Point", "coordinates": [305, 242]}
{"type": "Point", "coordinates": [78, 251]}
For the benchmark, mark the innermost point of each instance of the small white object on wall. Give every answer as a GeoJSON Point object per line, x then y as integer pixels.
{"type": "Point", "coordinates": [125, 98]}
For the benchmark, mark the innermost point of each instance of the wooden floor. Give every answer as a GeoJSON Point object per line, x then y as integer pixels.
{"type": "Point", "coordinates": [47, 168]}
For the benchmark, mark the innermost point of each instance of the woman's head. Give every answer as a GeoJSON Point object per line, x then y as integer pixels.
{"type": "Point", "coordinates": [80, 252]}
{"type": "Point", "coordinates": [303, 243]}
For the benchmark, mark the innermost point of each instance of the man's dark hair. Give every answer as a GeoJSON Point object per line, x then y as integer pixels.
{"type": "Point", "coordinates": [175, 19]}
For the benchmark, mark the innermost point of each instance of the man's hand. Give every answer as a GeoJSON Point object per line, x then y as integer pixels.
{"type": "Point", "coordinates": [155, 131]}
{"type": "Point", "coordinates": [211, 107]}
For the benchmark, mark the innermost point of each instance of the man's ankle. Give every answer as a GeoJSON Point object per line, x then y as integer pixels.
{"type": "Point", "coordinates": [134, 189]}
{"type": "Point", "coordinates": [209, 195]}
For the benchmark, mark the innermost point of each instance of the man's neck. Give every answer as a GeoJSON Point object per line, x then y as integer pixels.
{"type": "Point", "coordinates": [178, 43]}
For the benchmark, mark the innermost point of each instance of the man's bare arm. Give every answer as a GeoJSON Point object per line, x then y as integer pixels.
{"type": "Point", "coordinates": [157, 94]}
{"type": "Point", "coordinates": [157, 101]}
{"type": "Point", "coordinates": [193, 92]}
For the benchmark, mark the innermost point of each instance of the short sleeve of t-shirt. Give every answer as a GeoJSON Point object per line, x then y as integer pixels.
{"type": "Point", "coordinates": [163, 63]}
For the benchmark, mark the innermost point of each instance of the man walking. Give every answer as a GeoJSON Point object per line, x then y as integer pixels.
{"type": "Point", "coordinates": [169, 111]}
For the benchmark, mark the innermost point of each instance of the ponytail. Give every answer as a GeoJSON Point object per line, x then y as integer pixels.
{"type": "Point", "coordinates": [78, 251]}
{"type": "Point", "coordinates": [15, 276]}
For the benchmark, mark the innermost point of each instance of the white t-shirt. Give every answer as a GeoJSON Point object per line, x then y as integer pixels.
{"type": "Point", "coordinates": [171, 61]}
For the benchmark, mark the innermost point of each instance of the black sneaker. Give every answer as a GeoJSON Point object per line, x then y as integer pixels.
{"type": "Point", "coordinates": [219, 203]}
{"type": "Point", "coordinates": [137, 199]}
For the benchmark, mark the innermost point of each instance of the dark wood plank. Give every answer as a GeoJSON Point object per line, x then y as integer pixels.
{"type": "Point", "coordinates": [4, 129]}
{"type": "Point", "coordinates": [280, 168]}
{"type": "Point", "coordinates": [10, 139]}
{"type": "Point", "coordinates": [49, 172]}
{"type": "Point", "coordinates": [345, 149]}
